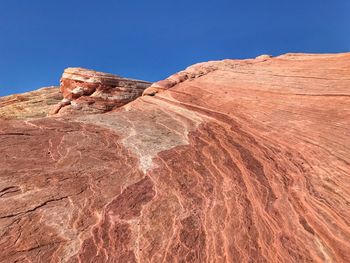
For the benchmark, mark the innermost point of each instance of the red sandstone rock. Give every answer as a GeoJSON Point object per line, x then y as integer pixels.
{"type": "Point", "coordinates": [88, 91]}
{"type": "Point", "coordinates": [238, 161]}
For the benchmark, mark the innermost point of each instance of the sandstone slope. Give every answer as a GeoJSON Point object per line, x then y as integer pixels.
{"type": "Point", "coordinates": [32, 104]}
{"type": "Point", "coordinates": [228, 161]}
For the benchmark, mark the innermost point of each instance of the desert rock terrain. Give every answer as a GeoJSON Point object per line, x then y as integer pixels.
{"type": "Point", "coordinates": [225, 161]}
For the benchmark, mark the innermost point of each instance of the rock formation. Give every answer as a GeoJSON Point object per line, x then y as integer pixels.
{"type": "Point", "coordinates": [229, 161]}
{"type": "Point", "coordinates": [88, 91]}
{"type": "Point", "coordinates": [33, 104]}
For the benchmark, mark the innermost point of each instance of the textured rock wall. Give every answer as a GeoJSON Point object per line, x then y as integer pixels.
{"type": "Point", "coordinates": [88, 91]}
{"type": "Point", "coordinates": [249, 162]}
{"type": "Point", "coordinates": [33, 104]}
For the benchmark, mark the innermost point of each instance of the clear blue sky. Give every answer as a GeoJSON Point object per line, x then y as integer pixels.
{"type": "Point", "coordinates": [151, 39]}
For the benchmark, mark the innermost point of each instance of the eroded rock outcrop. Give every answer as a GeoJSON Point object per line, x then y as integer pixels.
{"type": "Point", "coordinates": [246, 162]}
{"type": "Point", "coordinates": [87, 91]}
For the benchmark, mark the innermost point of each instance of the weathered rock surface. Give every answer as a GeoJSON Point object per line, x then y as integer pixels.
{"type": "Point", "coordinates": [34, 104]}
{"type": "Point", "coordinates": [87, 91]}
{"type": "Point", "coordinates": [246, 162]}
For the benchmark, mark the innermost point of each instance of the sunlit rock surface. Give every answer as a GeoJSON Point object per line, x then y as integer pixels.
{"type": "Point", "coordinates": [238, 161]}
{"type": "Point", "coordinates": [87, 91]}
{"type": "Point", "coordinates": [32, 104]}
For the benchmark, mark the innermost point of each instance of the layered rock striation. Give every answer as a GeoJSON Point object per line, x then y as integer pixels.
{"type": "Point", "coordinates": [88, 91]}
{"type": "Point", "coordinates": [246, 162]}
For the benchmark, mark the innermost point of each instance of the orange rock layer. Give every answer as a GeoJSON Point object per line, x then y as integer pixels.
{"type": "Point", "coordinates": [238, 161]}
